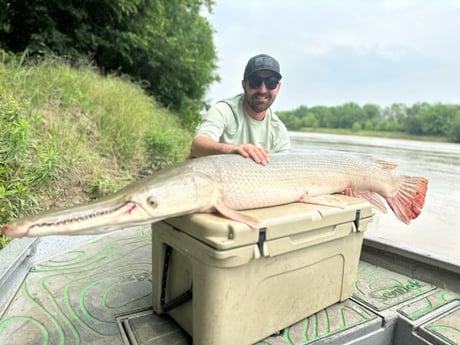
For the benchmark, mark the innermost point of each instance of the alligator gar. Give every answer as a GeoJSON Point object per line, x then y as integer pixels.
{"type": "Point", "coordinates": [229, 183]}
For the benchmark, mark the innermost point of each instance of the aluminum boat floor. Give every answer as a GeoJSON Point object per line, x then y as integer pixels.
{"type": "Point", "coordinates": [100, 293]}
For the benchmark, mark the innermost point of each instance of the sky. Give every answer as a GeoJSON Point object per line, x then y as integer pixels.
{"type": "Point", "coordinates": [336, 51]}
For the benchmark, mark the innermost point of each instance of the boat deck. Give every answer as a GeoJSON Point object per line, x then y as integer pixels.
{"type": "Point", "coordinates": [100, 293]}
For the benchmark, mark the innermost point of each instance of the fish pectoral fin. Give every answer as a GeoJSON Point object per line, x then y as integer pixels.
{"type": "Point", "coordinates": [237, 216]}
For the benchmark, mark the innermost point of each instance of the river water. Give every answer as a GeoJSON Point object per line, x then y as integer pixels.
{"type": "Point", "coordinates": [436, 232]}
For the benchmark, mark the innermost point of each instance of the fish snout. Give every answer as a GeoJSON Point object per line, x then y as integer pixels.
{"type": "Point", "coordinates": [5, 229]}
{"type": "Point", "coordinates": [11, 230]}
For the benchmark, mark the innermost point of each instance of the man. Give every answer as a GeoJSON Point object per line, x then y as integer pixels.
{"type": "Point", "coordinates": [245, 124]}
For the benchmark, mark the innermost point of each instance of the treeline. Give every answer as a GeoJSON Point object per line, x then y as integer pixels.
{"type": "Point", "coordinates": [438, 119]}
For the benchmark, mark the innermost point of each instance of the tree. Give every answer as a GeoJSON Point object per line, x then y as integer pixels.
{"type": "Point", "coordinates": [371, 116]}
{"type": "Point", "coordinates": [323, 114]}
{"type": "Point", "coordinates": [347, 115]}
{"type": "Point", "coordinates": [291, 121]}
{"type": "Point", "coordinates": [412, 123]}
{"type": "Point", "coordinates": [453, 133]}
{"type": "Point", "coordinates": [310, 120]}
{"type": "Point", "coordinates": [436, 119]}
{"type": "Point", "coordinates": [167, 44]}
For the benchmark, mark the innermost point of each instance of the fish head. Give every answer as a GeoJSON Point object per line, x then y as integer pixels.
{"type": "Point", "coordinates": [140, 203]}
{"type": "Point", "coordinates": [176, 195]}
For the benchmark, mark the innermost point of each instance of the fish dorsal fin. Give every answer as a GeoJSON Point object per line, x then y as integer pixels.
{"type": "Point", "coordinates": [389, 166]}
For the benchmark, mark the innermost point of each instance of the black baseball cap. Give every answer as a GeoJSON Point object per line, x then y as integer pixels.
{"type": "Point", "coordinates": [262, 62]}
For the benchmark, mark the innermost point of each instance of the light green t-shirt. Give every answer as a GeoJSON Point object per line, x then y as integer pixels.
{"type": "Point", "coordinates": [227, 122]}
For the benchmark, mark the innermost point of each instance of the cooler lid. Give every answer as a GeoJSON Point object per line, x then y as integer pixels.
{"type": "Point", "coordinates": [296, 219]}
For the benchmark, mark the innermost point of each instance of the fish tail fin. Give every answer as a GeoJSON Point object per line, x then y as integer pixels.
{"type": "Point", "coordinates": [408, 201]}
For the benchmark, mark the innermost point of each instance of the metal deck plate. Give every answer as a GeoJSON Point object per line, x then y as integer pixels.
{"type": "Point", "coordinates": [146, 327]}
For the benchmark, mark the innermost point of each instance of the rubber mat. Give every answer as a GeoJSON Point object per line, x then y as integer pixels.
{"type": "Point", "coordinates": [444, 329]}
{"type": "Point", "coordinates": [381, 289]}
{"type": "Point", "coordinates": [428, 304]}
{"type": "Point", "coordinates": [74, 298]}
{"type": "Point", "coordinates": [332, 320]}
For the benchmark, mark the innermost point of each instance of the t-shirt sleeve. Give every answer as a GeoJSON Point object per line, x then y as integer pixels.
{"type": "Point", "coordinates": [284, 143]}
{"type": "Point", "coordinates": [213, 124]}
{"type": "Point", "coordinates": [280, 136]}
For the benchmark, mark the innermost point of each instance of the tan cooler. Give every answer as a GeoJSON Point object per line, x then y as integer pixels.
{"type": "Point", "coordinates": [226, 283]}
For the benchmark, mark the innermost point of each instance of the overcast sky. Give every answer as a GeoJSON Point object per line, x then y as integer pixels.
{"type": "Point", "coordinates": [337, 51]}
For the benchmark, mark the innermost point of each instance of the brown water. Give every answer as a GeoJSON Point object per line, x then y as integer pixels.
{"type": "Point", "coordinates": [436, 232]}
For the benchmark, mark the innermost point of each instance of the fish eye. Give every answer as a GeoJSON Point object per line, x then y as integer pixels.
{"type": "Point", "coordinates": [151, 202]}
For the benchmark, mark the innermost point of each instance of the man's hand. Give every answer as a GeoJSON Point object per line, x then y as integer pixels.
{"type": "Point", "coordinates": [203, 146]}
{"type": "Point", "coordinates": [258, 154]}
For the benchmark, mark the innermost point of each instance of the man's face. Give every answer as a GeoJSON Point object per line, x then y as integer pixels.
{"type": "Point", "coordinates": [260, 90]}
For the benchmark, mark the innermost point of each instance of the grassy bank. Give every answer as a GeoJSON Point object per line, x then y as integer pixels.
{"type": "Point", "coordinates": [69, 135]}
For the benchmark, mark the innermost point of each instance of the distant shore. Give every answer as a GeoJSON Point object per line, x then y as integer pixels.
{"type": "Point", "coordinates": [381, 134]}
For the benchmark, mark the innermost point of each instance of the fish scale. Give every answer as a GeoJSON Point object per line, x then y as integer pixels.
{"type": "Point", "coordinates": [286, 178]}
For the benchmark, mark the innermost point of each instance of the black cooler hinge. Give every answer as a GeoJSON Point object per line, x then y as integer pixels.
{"type": "Point", "coordinates": [177, 301]}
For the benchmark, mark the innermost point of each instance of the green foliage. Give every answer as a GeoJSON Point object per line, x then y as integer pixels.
{"type": "Point", "coordinates": [17, 164]}
{"type": "Point", "coordinates": [102, 185]}
{"type": "Point", "coordinates": [112, 111]}
{"type": "Point", "coordinates": [453, 133]}
{"type": "Point", "coordinates": [165, 147]}
{"type": "Point", "coordinates": [421, 119]}
{"type": "Point", "coordinates": [356, 127]}
{"type": "Point", "coordinates": [166, 44]}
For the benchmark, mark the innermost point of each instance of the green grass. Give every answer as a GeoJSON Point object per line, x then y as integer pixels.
{"type": "Point", "coordinates": [69, 135]}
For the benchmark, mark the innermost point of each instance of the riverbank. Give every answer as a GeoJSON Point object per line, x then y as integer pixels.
{"type": "Point", "coordinates": [379, 134]}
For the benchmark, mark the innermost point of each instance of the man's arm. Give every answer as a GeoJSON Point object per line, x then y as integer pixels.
{"type": "Point", "coordinates": [204, 146]}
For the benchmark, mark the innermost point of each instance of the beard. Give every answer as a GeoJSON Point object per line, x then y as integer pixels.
{"type": "Point", "coordinates": [259, 102]}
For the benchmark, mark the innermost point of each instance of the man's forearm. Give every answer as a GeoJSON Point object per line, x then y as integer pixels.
{"type": "Point", "coordinates": [203, 146]}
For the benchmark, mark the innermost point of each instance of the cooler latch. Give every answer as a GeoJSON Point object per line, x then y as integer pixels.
{"type": "Point", "coordinates": [357, 219]}
{"type": "Point", "coordinates": [261, 241]}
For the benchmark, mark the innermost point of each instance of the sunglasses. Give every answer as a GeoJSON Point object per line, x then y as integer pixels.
{"type": "Point", "coordinates": [270, 82]}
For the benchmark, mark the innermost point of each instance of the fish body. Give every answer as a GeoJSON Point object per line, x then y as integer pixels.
{"type": "Point", "coordinates": [229, 183]}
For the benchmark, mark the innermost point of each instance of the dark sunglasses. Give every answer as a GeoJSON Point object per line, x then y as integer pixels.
{"type": "Point", "coordinates": [270, 82]}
